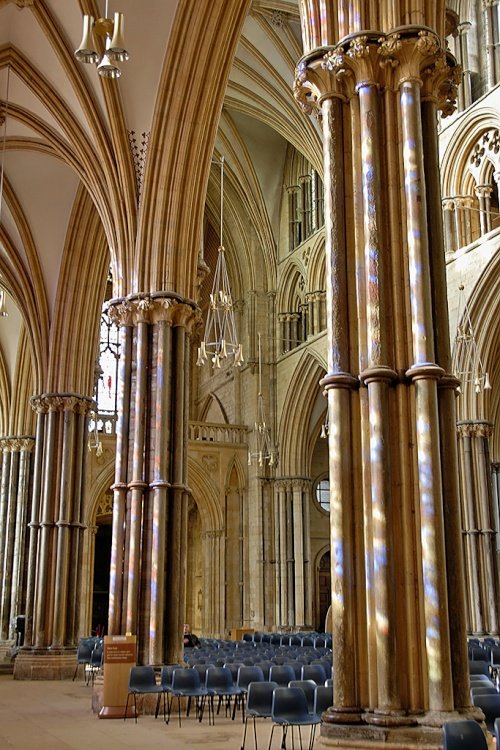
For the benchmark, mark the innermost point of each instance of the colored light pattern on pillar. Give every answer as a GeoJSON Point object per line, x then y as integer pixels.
{"type": "Point", "coordinates": [428, 532]}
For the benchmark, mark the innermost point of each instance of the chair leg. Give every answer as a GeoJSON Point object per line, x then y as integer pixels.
{"type": "Point", "coordinates": [244, 736]}
{"type": "Point", "coordinates": [126, 707]}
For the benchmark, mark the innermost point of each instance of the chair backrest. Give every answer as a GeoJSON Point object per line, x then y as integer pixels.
{"type": "Point", "coordinates": [246, 675]}
{"type": "Point", "coordinates": [495, 655]}
{"type": "Point", "coordinates": [297, 668]}
{"type": "Point", "coordinates": [185, 679]}
{"type": "Point", "coordinates": [234, 668]}
{"type": "Point", "coordinates": [496, 730]}
{"type": "Point", "coordinates": [314, 672]}
{"type": "Point", "coordinates": [478, 653]}
{"type": "Point", "coordinates": [218, 678]}
{"type": "Point", "coordinates": [323, 699]}
{"type": "Point", "coordinates": [141, 677]}
{"type": "Point", "coordinates": [260, 698]}
{"type": "Point", "coordinates": [166, 674]}
{"type": "Point", "coordinates": [309, 687]}
{"type": "Point", "coordinates": [482, 689]}
{"type": "Point", "coordinates": [265, 666]}
{"type": "Point", "coordinates": [85, 648]}
{"type": "Point", "coordinates": [307, 640]}
{"type": "Point", "coordinates": [479, 679]}
{"type": "Point", "coordinates": [97, 655]}
{"type": "Point", "coordinates": [463, 735]}
{"type": "Point", "coordinates": [490, 706]}
{"type": "Point", "coordinates": [282, 674]}
{"type": "Point", "coordinates": [289, 705]}
{"type": "Point", "coordinates": [478, 667]}
{"type": "Point", "coordinates": [202, 670]}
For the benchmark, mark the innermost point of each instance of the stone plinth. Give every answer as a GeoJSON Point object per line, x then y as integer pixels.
{"type": "Point", "coordinates": [425, 734]}
{"type": "Point", "coordinates": [45, 665]}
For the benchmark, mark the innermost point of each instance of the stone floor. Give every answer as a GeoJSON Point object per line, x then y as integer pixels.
{"type": "Point", "coordinates": [58, 716]}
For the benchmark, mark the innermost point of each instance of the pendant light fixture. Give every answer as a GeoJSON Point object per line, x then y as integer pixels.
{"type": "Point", "coordinates": [264, 452]}
{"type": "Point", "coordinates": [111, 30]}
{"type": "Point", "coordinates": [220, 339]}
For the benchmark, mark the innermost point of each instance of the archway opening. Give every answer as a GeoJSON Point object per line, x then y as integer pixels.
{"type": "Point", "coordinates": [100, 590]}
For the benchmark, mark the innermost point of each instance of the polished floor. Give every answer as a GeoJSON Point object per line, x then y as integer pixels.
{"type": "Point", "coordinates": [58, 716]}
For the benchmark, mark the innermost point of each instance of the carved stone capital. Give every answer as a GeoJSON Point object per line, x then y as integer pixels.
{"type": "Point", "coordinates": [152, 308]}
{"type": "Point", "coordinates": [413, 53]}
{"type": "Point", "coordinates": [62, 402]}
{"type": "Point", "coordinates": [17, 443]}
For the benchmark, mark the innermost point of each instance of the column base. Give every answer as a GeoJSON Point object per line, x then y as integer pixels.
{"type": "Point", "coordinates": [420, 731]}
{"type": "Point", "coordinates": [45, 664]}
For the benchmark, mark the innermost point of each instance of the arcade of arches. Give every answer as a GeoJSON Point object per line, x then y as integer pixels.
{"type": "Point", "coordinates": [361, 229]}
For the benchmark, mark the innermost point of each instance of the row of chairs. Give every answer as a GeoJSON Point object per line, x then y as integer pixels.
{"type": "Point", "coordinates": [299, 703]}
{"type": "Point", "coordinates": [89, 654]}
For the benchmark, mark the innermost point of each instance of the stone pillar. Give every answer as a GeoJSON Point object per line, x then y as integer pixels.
{"type": "Point", "coordinates": [56, 538]}
{"type": "Point", "coordinates": [395, 607]}
{"type": "Point", "coordinates": [491, 23]}
{"type": "Point", "coordinates": [483, 193]}
{"type": "Point", "coordinates": [478, 523]}
{"type": "Point", "coordinates": [281, 553]}
{"type": "Point", "coordinates": [148, 555]}
{"type": "Point", "coordinates": [466, 89]}
{"type": "Point", "coordinates": [305, 190]}
{"type": "Point", "coordinates": [450, 228]}
{"type": "Point", "coordinates": [14, 514]}
{"type": "Point", "coordinates": [300, 525]}
{"type": "Point", "coordinates": [495, 486]}
{"type": "Point", "coordinates": [295, 237]}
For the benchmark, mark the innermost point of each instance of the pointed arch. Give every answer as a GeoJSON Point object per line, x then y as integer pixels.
{"type": "Point", "coordinates": [298, 415]}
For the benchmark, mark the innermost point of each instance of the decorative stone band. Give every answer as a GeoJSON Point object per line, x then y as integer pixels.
{"type": "Point", "coordinates": [385, 61]}
{"type": "Point", "coordinates": [14, 444]}
{"type": "Point", "coordinates": [62, 402]}
{"type": "Point", "coordinates": [153, 308]}
{"type": "Point", "coordinates": [479, 428]}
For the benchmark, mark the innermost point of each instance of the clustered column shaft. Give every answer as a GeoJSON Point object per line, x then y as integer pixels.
{"type": "Point", "coordinates": [148, 555]}
{"type": "Point", "coordinates": [14, 510]}
{"type": "Point", "coordinates": [397, 609]}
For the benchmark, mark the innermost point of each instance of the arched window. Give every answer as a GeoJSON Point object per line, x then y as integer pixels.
{"type": "Point", "coordinates": [322, 493]}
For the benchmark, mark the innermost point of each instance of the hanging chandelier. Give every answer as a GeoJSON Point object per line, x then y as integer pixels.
{"type": "Point", "coordinates": [94, 441]}
{"type": "Point", "coordinates": [325, 427]}
{"type": "Point", "coordinates": [467, 364]}
{"type": "Point", "coordinates": [220, 339]}
{"type": "Point", "coordinates": [111, 30]}
{"type": "Point", "coordinates": [264, 451]}
{"type": "Point", "coordinates": [3, 121]}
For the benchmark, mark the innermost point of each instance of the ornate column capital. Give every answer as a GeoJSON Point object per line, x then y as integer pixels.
{"type": "Point", "coordinates": [153, 308]}
{"type": "Point", "coordinates": [17, 443]}
{"type": "Point", "coordinates": [414, 53]}
{"type": "Point", "coordinates": [483, 191]}
{"type": "Point", "coordinates": [448, 204]}
{"type": "Point", "coordinates": [62, 402]}
{"type": "Point", "coordinates": [475, 428]}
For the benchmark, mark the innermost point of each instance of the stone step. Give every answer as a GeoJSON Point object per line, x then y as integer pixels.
{"type": "Point", "coordinates": [6, 667]}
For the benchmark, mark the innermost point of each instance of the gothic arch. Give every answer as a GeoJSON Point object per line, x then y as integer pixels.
{"type": "Point", "coordinates": [316, 263]}
{"type": "Point", "coordinates": [289, 295]}
{"type": "Point", "coordinates": [455, 161]}
{"type": "Point", "coordinates": [295, 424]}
{"type": "Point", "coordinates": [212, 400]}
{"type": "Point", "coordinates": [485, 318]}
